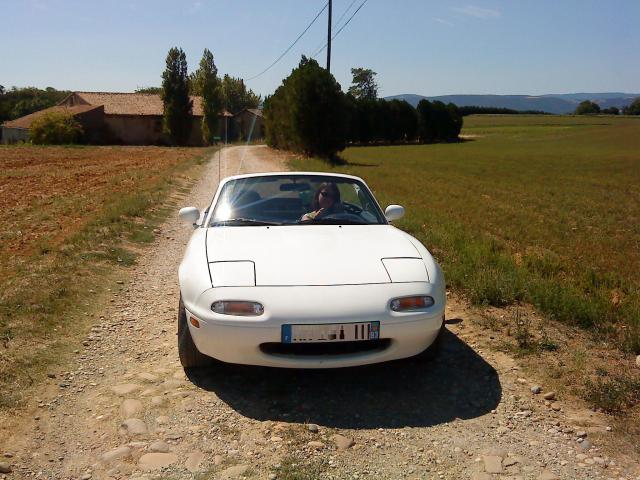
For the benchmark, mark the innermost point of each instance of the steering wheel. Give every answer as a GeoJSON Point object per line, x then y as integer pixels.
{"type": "Point", "coordinates": [351, 208]}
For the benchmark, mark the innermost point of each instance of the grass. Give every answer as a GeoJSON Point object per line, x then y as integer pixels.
{"type": "Point", "coordinates": [543, 210]}
{"type": "Point", "coordinates": [71, 218]}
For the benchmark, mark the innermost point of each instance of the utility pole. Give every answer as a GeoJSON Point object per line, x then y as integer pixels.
{"type": "Point", "coordinates": [329, 39]}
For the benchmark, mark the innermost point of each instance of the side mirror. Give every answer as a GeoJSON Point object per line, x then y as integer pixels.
{"type": "Point", "coordinates": [394, 212]}
{"type": "Point", "coordinates": [189, 215]}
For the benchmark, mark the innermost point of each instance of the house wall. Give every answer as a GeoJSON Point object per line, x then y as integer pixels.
{"type": "Point", "coordinates": [143, 130]}
{"type": "Point", "coordinates": [14, 135]}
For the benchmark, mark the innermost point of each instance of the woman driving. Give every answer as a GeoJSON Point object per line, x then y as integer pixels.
{"type": "Point", "coordinates": [326, 201]}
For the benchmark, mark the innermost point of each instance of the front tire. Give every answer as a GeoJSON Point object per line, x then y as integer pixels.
{"type": "Point", "coordinates": [189, 355]}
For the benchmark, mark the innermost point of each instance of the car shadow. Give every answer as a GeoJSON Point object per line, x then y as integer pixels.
{"type": "Point", "coordinates": [405, 393]}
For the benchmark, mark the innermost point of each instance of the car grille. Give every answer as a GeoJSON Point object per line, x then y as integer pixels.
{"type": "Point", "coordinates": [334, 348]}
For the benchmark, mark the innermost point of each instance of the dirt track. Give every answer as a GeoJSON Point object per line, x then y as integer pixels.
{"type": "Point", "coordinates": [126, 409]}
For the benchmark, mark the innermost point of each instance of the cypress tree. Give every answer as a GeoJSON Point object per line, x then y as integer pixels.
{"type": "Point", "coordinates": [209, 86]}
{"type": "Point", "coordinates": [175, 97]}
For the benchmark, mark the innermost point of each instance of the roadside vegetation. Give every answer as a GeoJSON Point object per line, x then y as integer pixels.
{"type": "Point", "coordinates": [70, 217]}
{"type": "Point", "coordinates": [539, 210]}
{"type": "Point", "coordinates": [310, 114]}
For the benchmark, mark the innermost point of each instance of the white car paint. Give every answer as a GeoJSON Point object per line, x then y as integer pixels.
{"type": "Point", "coordinates": [308, 274]}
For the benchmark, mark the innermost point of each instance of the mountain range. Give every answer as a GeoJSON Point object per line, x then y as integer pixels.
{"type": "Point", "coordinates": [551, 103]}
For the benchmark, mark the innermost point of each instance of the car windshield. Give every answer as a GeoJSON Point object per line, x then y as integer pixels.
{"type": "Point", "coordinates": [295, 200]}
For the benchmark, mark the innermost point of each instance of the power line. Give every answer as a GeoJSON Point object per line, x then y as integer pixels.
{"type": "Point", "coordinates": [341, 28]}
{"type": "Point", "coordinates": [292, 45]}
{"type": "Point", "coordinates": [322, 45]}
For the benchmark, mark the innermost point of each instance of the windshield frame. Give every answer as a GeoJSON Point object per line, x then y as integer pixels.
{"type": "Point", "coordinates": [318, 177]}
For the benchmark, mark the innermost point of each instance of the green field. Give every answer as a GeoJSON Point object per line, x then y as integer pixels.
{"type": "Point", "coordinates": [537, 209]}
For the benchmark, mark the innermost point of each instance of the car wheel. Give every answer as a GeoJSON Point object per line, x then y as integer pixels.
{"type": "Point", "coordinates": [190, 356]}
{"type": "Point", "coordinates": [433, 350]}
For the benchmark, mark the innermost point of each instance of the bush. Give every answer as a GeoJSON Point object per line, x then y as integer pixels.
{"type": "Point", "coordinates": [55, 128]}
{"type": "Point", "coordinates": [587, 107]}
{"type": "Point", "coordinates": [308, 113]}
{"type": "Point", "coordinates": [438, 122]}
{"type": "Point", "coordinates": [634, 108]}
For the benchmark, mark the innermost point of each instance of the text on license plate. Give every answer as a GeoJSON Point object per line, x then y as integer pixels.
{"type": "Point", "coordinates": [331, 332]}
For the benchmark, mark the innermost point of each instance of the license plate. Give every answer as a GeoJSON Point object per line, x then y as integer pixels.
{"type": "Point", "coordinates": [331, 332]}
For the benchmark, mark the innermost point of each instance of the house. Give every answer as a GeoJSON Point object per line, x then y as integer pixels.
{"type": "Point", "coordinates": [249, 124]}
{"type": "Point", "coordinates": [115, 118]}
{"type": "Point", "coordinates": [89, 116]}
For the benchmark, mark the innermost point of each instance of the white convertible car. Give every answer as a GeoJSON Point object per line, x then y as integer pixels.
{"type": "Point", "coordinates": [303, 270]}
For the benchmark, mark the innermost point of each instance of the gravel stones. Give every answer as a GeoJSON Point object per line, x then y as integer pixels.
{"type": "Point", "coordinates": [313, 428]}
{"type": "Point", "coordinates": [316, 445]}
{"type": "Point", "coordinates": [638, 361]}
{"type": "Point", "coordinates": [549, 396]}
{"type": "Point", "coordinates": [536, 389]}
{"type": "Point", "coordinates": [5, 467]}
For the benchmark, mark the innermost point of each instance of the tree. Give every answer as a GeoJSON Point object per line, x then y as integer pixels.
{"type": "Point", "coordinates": [55, 128]}
{"type": "Point", "coordinates": [155, 90]}
{"type": "Point", "coordinates": [611, 111]}
{"type": "Point", "coordinates": [17, 102]}
{"type": "Point", "coordinates": [207, 83]}
{"type": "Point", "coordinates": [438, 122]}
{"type": "Point", "coordinates": [364, 84]}
{"type": "Point", "coordinates": [236, 96]}
{"type": "Point", "coordinates": [587, 107]}
{"type": "Point", "coordinates": [178, 106]}
{"type": "Point", "coordinates": [634, 108]}
{"type": "Point", "coordinates": [308, 113]}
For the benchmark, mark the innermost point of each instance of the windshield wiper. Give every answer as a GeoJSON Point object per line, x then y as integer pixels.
{"type": "Point", "coordinates": [244, 221]}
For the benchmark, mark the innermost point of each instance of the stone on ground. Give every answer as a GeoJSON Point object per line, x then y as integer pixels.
{"type": "Point", "coordinates": [492, 464]}
{"type": "Point", "coordinates": [135, 426]}
{"type": "Point", "coordinates": [233, 472]}
{"type": "Point", "coordinates": [193, 461]}
{"type": "Point", "coordinates": [156, 461]}
{"type": "Point", "coordinates": [125, 389]}
{"type": "Point", "coordinates": [547, 475]}
{"type": "Point", "coordinates": [342, 442]}
{"type": "Point", "coordinates": [116, 454]}
{"type": "Point", "coordinates": [159, 447]}
{"type": "Point", "coordinates": [130, 407]}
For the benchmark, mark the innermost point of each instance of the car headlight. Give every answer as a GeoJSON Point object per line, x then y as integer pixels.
{"type": "Point", "coordinates": [238, 307]}
{"type": "Point", "coordinates": [409, 304]}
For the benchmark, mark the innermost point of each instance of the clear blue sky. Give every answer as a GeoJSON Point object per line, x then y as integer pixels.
{"type": "Point", "coordinates": [416, 46]}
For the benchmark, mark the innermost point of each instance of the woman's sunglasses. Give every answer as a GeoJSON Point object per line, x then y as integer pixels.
{"type": "Point", "coordinates": [326, 194]}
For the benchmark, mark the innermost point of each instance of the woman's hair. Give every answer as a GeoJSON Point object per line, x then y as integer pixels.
{"type": "Point", "coordinates": [335, 193]}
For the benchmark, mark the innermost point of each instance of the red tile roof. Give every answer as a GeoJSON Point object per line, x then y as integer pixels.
{"type": "Point", "coordinates": [25, 122]}
{"type": "Point", "coordinates": [132, 103]}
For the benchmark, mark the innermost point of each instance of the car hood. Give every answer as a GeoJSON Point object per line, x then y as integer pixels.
{"type": "Point", "coordinates": [311, 255]}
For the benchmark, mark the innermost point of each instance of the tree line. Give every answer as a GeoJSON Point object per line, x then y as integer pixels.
{"type": "Point", "coordinates": [588, 107]}
{"type": "Point", "coordinates": [18, 102]}
{"type": "Point", "coordinates": [218, 95]}
{"type": "Point", "coordinates": [310, 113]}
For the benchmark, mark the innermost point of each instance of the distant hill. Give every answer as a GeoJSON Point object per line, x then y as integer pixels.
{"type": "Point", "coordinates": [552, 103]}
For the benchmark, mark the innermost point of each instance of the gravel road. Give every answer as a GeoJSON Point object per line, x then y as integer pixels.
{"type": "Point", "coordinates": [127, 410]}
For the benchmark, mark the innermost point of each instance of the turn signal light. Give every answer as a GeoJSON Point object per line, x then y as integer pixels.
{"type": "Point", "coordinates": [408, 304]}
{"type": "Point", "coordinates": [237, 307]}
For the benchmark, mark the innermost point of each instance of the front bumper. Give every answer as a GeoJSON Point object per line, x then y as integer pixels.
{"type": "Point", "coordinates": [239, 339]}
